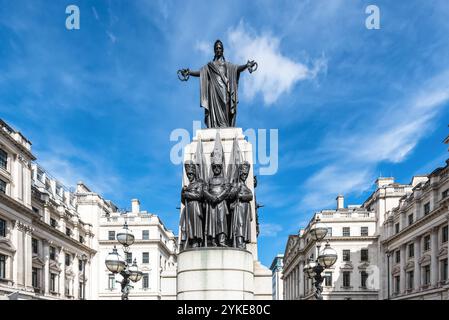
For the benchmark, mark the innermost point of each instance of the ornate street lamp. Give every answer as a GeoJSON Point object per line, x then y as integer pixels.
{"type": "Point", "coordinates": [326, 258]}
{"type": "Point", "coordinates": [116, 264]}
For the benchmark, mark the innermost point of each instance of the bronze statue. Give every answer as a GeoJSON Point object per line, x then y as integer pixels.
{"type": "Point", "coordinates": [241, 209]}
{"type": "Point", "coordinates": [218, 88]}
{"type": "Point", "coordinates": [216, 193]}
{"type": "Point", "coordinates": [192, 215]}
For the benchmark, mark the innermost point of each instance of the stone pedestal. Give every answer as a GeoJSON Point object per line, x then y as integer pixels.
{"type": "Point", "coordinates": [215, 273]}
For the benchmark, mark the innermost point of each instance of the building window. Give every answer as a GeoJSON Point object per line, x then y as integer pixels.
{"type": "Point", "coordinates": [410, 280]}
{"type": "Point", "coordinates": [129, 257]}
{"type": "Point", "coordinates": [426, 275]}
{"type": "Point", "coordinates": [426, 242]}
{"type": "Point", "coordinates": [397, 284]}
{"type": "Point", "coordinates": [81, 239]}
{"type": "Point", "coordinates": [145, 257]}
{"type": "Point", "coordinates": [67, 259]}
{"type": "Point", "coordinates": [396, 228]}
{"type": "Point", "coordinates": [329, 232]}
{"type": "Point", "coordinates": [111, 281]}
{"type": "Point", "coordinates": [346, 279]}
{"type": "Point", "coordinates": [444, 234]}
{"type": "Point", "coordinates": [68, 231]}
{"type": "Point", "coordinates": [364, 231]}
{"type": "Point", "coordinates": [111, 235]}
{"type": "Point", "coordinates": [427, 208]}
{"type": "Point", "coordinates": [80, 265]}
{"type": "Point", "coordinates": [397, 254]}
{"type": "Point", "coordinates": [445, 193]}
{"type": "Point", "coordinates": [67, 287]}
{"type": "Point", "coordinates": [145, 234]}
{"type": "Point", "coordinates": [346, 255]}
{"type": "Point", "coordinates": [328, 279]}
{"type": "Point", "coordinates": [411, 250]}
{"type": "Point", "coordinates": [53, 282]}
{"type": "Point", "coordinates": [34, 245]}
{"type": "Point", "coordinates": [145, 281]}
{"type": "Point", "coordinates": [2, 228]}
{"type": "Point", "coordinates": [363, 278]}
{"type": "Point", "coordinates": [346, 232]}
{"type": "Point", "coordinates": [2, 186]}
{"type": "Point", "coordinates": [35, 278]}
{"type": "Point", "coordinates": [52, 253]}
{"type": "Point", "coordinates": [3, 159]}
{"type": "Point", "coordinates": [80, 290]}
{"type": "Point", "coordinates": [2, 266]}
{"type": "Point", "coordinates": [410, 219]}
{"type": "Point", "coordinates": [444, 270]}
{"type": "Point", "coordinates": [364, 255]}
{"type": "Point", "coordinates": [53, 223]}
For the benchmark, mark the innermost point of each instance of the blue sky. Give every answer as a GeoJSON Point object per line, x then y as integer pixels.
{"type": "Point", "coordinates": [349, 103]}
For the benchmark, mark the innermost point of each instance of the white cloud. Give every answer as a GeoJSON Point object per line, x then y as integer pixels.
{"type": "Point", "coordinates": [204, 47]}
{"type": "Point", "coordinates": [277, 73]}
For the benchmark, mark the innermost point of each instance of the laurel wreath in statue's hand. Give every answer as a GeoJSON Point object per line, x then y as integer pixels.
{"type": "Point", "coordinates": [183, 74]}
{"type": "Point", "coordinates": [252, 66]}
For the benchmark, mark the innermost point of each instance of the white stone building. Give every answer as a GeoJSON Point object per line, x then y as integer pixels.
{"type": "Point", "coordinates": [53, 242]}
{"type": "Point", "coordinates": [414, 241]}
{"type": "Point", "coordinates": [351, 232]}
{"type": "Point", "coordinates": [277, 284]}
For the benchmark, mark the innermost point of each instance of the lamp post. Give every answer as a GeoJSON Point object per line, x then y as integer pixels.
{"type": "Point", "coordinates": [116, 264]}
{"type": "Point", "coordinates": [325, 259]}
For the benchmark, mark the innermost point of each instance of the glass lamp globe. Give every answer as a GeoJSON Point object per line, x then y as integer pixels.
{"type": "Point", "coordinates": [318, 230]}
{"type": "Point", "coordinates": [327, 257]}
{"type": "Point", "coordinates": [114, 262]}
{"type": "Point", "coordinates": [309, 269]}
{"type": "Point", "coordinates": [125, 236]}
{"type": "Point", "coordinates": [134, 273]}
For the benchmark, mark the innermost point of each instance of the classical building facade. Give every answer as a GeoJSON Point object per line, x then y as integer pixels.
{"type": "Point", "coordinates": [54, 241]}
{"type": "Point", "coordinates": [277, 283]}
{"type": "Point", "coordinates": [351, 232]}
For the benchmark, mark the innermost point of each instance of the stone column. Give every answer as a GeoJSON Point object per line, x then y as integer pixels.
{"type": "Point", "coordinates": [434, 257]}
{"type": "Point", "coordinates": [61, 260]}
{"type": "Point", "coordinates": [301, 279]}
{"type": "Point", "coordinates": [28, 258]}
{"type": "Point", "coordinates": [46, 275]}
{"type": "Point", "coordinates": [417, 267]}
{"type": "Point", "coordinates": [402, 274]}
{"type": "Point", "coordinates": [76, 280]}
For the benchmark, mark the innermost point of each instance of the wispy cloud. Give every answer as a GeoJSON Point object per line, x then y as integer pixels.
{"type": "Point", "coordinates": [270, 229]}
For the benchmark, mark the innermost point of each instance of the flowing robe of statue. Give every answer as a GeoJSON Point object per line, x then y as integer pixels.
{"type": "Point", "coordinates": [218, 92]}
{"type": "Point", "coordinates": [192, 215]}
{"type": "Point", "coordinates": [217, 213]}
{"type": "Point", "coordinates": [241, 212]}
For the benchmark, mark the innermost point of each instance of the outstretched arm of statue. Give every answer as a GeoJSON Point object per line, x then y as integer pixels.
{"type": "Point", "coordinates": [251, 65]}
{"type": "Point", "coordinates": [184, 74]}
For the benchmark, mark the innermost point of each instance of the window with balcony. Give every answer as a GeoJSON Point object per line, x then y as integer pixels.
{"type": "Point", "coordinates": [364, 231]}
{"type": "Point", "coordinates": [444, 234]}
{"type": "Point", "coordinates": [346, 232]}
{"type": "Point", "coordinates": [145, 281]}
{"type": "Point", "coordinates": [328, 279]}
{"type": "Point", "coordinates": [145, 257]}
{"type": "Point", "coordinates": [3, 159]}
{"type": "Point", "coordinates": [2, 228]}
{"type": "Point", "coordinates": [364, 255]}
{"type": "Point", "coordinates": [410, 280]}
{"type": "Point", "coordinates": [68, 259]}
{"type": "Point", "coordinates": [53, 278]}
{"type": "Point", "coordinates": [363, 279]}
{"type": "Point", "coordinates": [2, 266]}
{"type": "Point", "coordinates": [52, 253]}
{"type": "Point", "coordinates": [35, 245]}
{"type": "Point", "coordinates": [410, 219]}
{"type": "Point", "coordinates": [346, 255]}
{"type": "Point", "coordinates": [426, 275]}
{"type": "Point", "coordinates": [111, 235]}
{"type": "Point", "coordinates": [397, 255]}
{"type": "Point", "coordinates": [427, 243]}
{"type": "Point", "coordinates": [145, 234]}
{"type": "Point", "coordinates": [411, 250]}
{"type": "Point", "coordinates": [35, 277]}
{"type": "Point", "coordinates": [2, 186]}
{"type": "Point", "coordinates": [397, 284]}
{"type": "Point", "coordinates": [346, 279]}
{"type": "Point", "coordinates": [426, 208]}
{"type": "Point", "coordinates": [396, 228]}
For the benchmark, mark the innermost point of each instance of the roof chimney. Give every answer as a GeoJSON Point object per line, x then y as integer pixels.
{"type": "Point", "coordinates": [340, 202]}
{"type": "Point", "coordinates": [135, 206]}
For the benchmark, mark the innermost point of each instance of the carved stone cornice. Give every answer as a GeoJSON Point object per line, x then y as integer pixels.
{"type": "Point", "coordinates": [24, 227]}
